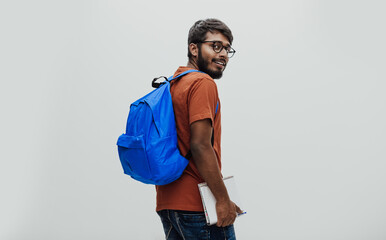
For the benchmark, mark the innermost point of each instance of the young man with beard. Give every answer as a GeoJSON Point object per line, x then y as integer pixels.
{"type": "Point", "coordinates": [198, 119]}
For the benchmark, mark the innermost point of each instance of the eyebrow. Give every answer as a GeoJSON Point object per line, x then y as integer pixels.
{"type": "Point", "coordinates": [225, 45]}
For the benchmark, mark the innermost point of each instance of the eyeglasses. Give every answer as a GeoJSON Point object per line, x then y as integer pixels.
{"type": "Point", "coordinates": [218, 47]}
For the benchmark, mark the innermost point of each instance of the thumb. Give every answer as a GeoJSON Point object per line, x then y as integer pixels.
{"type": "Point", "coordinates": [238, 210]}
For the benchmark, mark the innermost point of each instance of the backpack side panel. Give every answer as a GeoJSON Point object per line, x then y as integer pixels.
{"type": "Point", "coordinates": [132, 145]}
{"type": "Point", "coordinates": [148, 151]}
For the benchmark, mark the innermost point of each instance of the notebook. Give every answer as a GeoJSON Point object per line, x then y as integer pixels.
{"type": "Point", "coordinates": [209, 201]}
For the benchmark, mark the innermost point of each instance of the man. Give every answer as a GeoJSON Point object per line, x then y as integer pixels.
{"type": "Point", "coordinates": [198, 119]}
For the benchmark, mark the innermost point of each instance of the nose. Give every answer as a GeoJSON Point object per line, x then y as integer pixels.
{"type": "Point", "coordinates": [223, 53]}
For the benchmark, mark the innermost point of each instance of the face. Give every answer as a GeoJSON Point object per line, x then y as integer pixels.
{"type": "Point", "coordinates": [208, 60]}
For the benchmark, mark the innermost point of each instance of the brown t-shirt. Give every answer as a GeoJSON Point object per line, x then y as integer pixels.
{"type": "Point", "coordinates": [195, 97]}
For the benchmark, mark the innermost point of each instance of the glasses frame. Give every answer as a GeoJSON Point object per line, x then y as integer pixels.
{"type": "Point", "coordinates": [230, 51]}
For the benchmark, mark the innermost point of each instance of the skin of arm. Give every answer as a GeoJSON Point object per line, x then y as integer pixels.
{"type": "Point", "coordinates": [205, 160]}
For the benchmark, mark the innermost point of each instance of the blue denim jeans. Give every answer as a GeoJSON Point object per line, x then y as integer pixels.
{"type": "Point", "coordinates": [187, 225]}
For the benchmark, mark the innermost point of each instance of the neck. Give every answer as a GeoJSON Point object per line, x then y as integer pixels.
{"type": "Point", "coordinates": [192, 64]}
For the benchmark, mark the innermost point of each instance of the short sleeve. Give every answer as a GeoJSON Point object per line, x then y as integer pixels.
{"type": "Point", "coordinates": [202, 100]}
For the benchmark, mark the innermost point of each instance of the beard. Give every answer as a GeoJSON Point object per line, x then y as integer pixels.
{"type": "Point", "coordinates": [203, 64]}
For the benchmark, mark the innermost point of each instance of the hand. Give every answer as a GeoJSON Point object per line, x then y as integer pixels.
{"type": "Point", "coordinates": [226, 213]}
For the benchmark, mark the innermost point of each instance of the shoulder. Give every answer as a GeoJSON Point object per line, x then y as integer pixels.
{"type": "Point", "coordinates": [200, 79]}
{"type": "Point", "coordinates": [193, 83]}
{"type": "Point", "coordinates": [202, 86]}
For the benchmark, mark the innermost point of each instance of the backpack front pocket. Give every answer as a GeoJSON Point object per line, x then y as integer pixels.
{"type": "Point", "coordinates": [132, 154]}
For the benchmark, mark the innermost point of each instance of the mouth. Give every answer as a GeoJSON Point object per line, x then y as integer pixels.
{"type": "Point", "coordinates": [220, 63]}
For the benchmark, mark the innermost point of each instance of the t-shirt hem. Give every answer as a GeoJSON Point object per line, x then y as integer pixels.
{"type": "Point", "coordinates": [180, 207]}
{"type": "Point", "coordinates": [200, 117]}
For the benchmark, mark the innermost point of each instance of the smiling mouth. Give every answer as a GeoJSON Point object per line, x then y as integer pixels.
{"type": "Point", "coordinates": [220, 63]}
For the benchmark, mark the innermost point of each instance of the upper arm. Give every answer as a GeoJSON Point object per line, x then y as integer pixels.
{"type": "Point", "coordinates": [202, 101]}
{"type": "Point", "coordinates": [201, 132]}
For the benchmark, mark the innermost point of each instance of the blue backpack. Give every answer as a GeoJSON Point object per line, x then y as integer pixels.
{"type": "Point", "coordinates": [148, 150]}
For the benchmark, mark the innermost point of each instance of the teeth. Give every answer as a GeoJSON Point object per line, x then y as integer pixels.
{"type": "Point", "coordinates": [221, 63]}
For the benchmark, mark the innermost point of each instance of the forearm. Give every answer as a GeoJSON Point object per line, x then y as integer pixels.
{"type": "Point", "coordinates": [206, 162]}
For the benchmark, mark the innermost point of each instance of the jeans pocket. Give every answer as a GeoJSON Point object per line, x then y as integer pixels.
{"type": "Point", "coordinates": [193, 225]}
{"type": "Point", "coordinates": [193, 217]}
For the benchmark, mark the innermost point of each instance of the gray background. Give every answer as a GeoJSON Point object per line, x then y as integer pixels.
{"type": "Point", "coordinates": [303, 104]}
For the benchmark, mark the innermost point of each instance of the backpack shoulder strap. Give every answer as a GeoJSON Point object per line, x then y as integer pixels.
{"type": "Point", "coordinates": [156, 84]}
{"type": "Point", "coordinates": [171, 78]}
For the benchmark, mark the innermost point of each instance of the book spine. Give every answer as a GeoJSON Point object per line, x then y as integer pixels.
{"type": "Point", "coordinates": [203, 204]}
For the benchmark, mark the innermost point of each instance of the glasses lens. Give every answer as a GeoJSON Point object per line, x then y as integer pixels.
{"type": "Point", "coordinates": [231, 52]}
{"type": "Point", "coordinates": [217, 47]}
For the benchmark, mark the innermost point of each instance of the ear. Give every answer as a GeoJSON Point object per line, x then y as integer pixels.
{"type": "Point", "coordinates": [193, 49]}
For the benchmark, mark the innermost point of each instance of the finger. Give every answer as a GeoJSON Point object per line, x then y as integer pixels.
{"type": "Point", "coordinates": [224, 224]}
{"type": "Point", "coordinates": [229, 221]}
{"type": "Point", "coordinates": [234, 218]}
{"type": "Point", "coordinates": [232, 221]}
{"type": "Point", "coordinates": [219, 222]}
{"type": "Point", "coordinates": [238, 210]}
